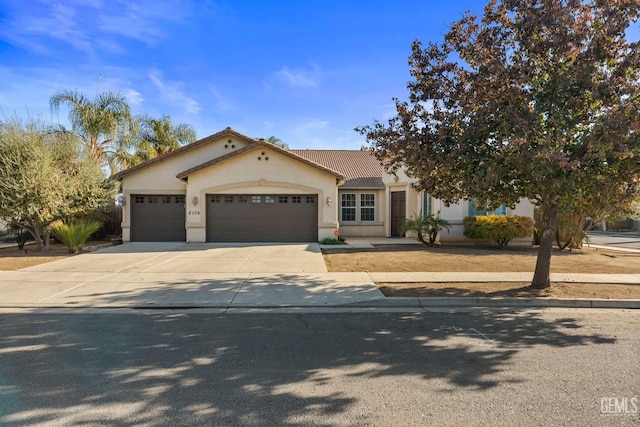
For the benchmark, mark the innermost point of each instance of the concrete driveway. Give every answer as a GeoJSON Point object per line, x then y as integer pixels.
{"type": "Point", "coordinates": [195, 258]}
{"type": "Point", "coordinates": [187, 275]}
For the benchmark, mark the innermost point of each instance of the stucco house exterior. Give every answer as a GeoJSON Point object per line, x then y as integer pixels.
{"type": "Point", "coordinates": [229, 187]}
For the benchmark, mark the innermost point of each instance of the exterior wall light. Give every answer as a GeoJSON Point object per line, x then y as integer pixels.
{"type": "Point", "coordinates": [194, 200]}
{"type": "Point", "coordinates": [329, 201]}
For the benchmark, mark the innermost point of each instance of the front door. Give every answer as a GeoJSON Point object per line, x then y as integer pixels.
{"type": "Point", "coordinates": [398, 213]}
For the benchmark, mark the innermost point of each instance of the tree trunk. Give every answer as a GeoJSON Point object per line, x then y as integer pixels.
{"type": "Point", "coordinates": [41, 237]}
{"type": "Point", "coordinates": [421, 238]}
{"type": "Point", "coordinates": [37, 235]}
{"type": "Point", "coordinates": [541, 277]}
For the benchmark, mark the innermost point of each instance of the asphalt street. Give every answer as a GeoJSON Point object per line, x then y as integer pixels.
{"type": "Point", "coordinates": [627, 239]}
{"type": "Point", "coordinates": [183, 368]}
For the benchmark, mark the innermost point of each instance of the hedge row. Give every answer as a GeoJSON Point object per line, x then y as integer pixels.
{"type": "Point", "coordinates": [499, 228]}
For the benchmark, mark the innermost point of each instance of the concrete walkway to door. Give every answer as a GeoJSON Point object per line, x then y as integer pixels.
{"type": "Point", "coordinates": [147, 275]}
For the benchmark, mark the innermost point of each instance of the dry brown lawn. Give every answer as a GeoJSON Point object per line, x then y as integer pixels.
{"type": "Point", "coordinates": [409, 258]}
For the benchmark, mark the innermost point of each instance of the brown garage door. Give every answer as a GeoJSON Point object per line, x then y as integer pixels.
{"type": "Point", "coordinates": [157, 218]}
{"type": "Point", "coordinates": [262, 218]}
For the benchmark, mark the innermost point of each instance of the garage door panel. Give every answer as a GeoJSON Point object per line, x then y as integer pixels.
{"type": "Point", "coordinates": [262, 218]}
{"type": "Point", "coordinates": [158, 218]}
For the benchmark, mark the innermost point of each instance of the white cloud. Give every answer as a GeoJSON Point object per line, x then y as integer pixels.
{"type": "Point", "coordinates": [313, 124]}
{"type": "Point", "coordinates": [142, 20]}
{"type": "Point", "coordinates": [57, 21]}
{"type": "Point", "coordinates": [130, 26]}
{"type": "Point", "coordinates": [222, 102]}
{"type": "Point", "coordinates": [133, 96]}
{"type": "Point", "coordinates": [387, 111]}
{"type": "Point", "coordinates": [308, 133]}
{"type": "Point", "coordinates": [172, 92]}
{"type": "Point", "coordinates": [89, 26]}
{"type": "Point", "coordinates": [299, 78]}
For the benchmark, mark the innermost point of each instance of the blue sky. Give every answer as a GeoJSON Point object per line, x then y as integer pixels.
{"type": "Point", "coordinates": [307, 72]}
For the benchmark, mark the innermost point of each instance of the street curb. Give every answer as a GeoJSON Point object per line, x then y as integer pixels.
{"type": "Point", "coordinates": [388, 302]}
{"type": "Point", "coordinates": [527, 302]}
{"type": "Point", "coordinates": [426, 302]}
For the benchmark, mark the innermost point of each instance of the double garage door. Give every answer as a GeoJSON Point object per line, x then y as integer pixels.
{"type": "Point", "coordinates": [262, 218]}
{"type": "Point", "coordinates": [230, 218]}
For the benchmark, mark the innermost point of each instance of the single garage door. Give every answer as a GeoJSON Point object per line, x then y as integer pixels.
{"type": "Point", "coordinates": [262, 218]}
{"type": "Point", "coordinates": [156, 218]}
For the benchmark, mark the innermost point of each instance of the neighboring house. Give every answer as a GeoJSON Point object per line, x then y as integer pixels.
{"type": "Point", "coordinates": [229, 187]}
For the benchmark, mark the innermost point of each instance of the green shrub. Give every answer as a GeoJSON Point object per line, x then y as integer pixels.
{"type": "Point", "coordinates": [331, 241]}
{"type": "Point", "coordinates": [17, 234]}
{"type": "Point", "coordinates": [75, 232]}
{"type": "Point", "coordinates": [426, 224]}
{"type": "Point", "coordinates": [21, 236]}
{"type": "Point", "coordinates": [499, 228]}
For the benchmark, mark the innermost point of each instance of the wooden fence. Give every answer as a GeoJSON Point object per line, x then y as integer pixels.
{"type": "Point", "coordinates": [112, 218]}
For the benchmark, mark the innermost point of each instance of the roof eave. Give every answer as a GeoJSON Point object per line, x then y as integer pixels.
{"type": "Point", "coordinates": [255, 145]}
{"type": "Point", "coordinates": [188, 147]}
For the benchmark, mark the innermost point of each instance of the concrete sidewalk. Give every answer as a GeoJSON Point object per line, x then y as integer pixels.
{"type": "Point", "coordinates": [32, 289]}
{"type": "Point", "coordinates": [220, 290]}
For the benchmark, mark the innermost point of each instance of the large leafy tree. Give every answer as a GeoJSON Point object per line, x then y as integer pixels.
{"type": "Point", "coordinates": [537, 99]}
{"type": "Point", "coordinates": [47, 176]}
{"type": "Point", "coordinates": [96, 123]}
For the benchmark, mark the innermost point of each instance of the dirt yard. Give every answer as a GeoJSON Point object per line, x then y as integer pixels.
{"type": "Point", "coordinates": [403, 258]}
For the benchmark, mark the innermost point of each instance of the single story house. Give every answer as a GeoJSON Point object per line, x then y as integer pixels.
{"type": "Point", "coordinates": [229, 187]}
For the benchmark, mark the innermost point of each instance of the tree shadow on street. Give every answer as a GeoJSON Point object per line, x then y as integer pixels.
{"type": "Point", "coordinates": [181, 368]}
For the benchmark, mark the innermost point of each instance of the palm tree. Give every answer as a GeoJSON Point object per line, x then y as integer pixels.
{"type": "Point", "coordinates": [128, 140]}
{"type": "Point", "coordinates": [426, 224]}
{"type": "Point", "coordinates": [277, 141]}
{"type": "Point", "coordinates": [146, 138]}
{"type": "Point", "coordinates": [158, 136]}
{"type": "Point", "coordinates": [96, 123]}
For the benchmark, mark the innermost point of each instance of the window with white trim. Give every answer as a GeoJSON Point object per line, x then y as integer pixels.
{"type": "Point", "coordinates": [367, 207]}
{"type": "Point", "coordinates": [347, 207]}
{"type": "Point", "coordinates": [427, 204]}
{"type": "Point", "coordinates": [358, 207]}
{"type": "Point", "coordinates": [501, 210]}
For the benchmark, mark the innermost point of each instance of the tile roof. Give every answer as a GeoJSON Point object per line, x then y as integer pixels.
{"type": "Point", "coordinates": [360, 167]}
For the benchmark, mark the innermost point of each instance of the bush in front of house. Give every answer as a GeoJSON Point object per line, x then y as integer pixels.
{"type": "Point", "coordinates": [332, 241]}
{"type": "Point", "coordinates": [499, 228]}
{"type": "Point", "coordinates": [429, 225]}
{"type": "Point", "coordinates": [74, 233]}
{"type": "Point", "coordinates": [16, 234]}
